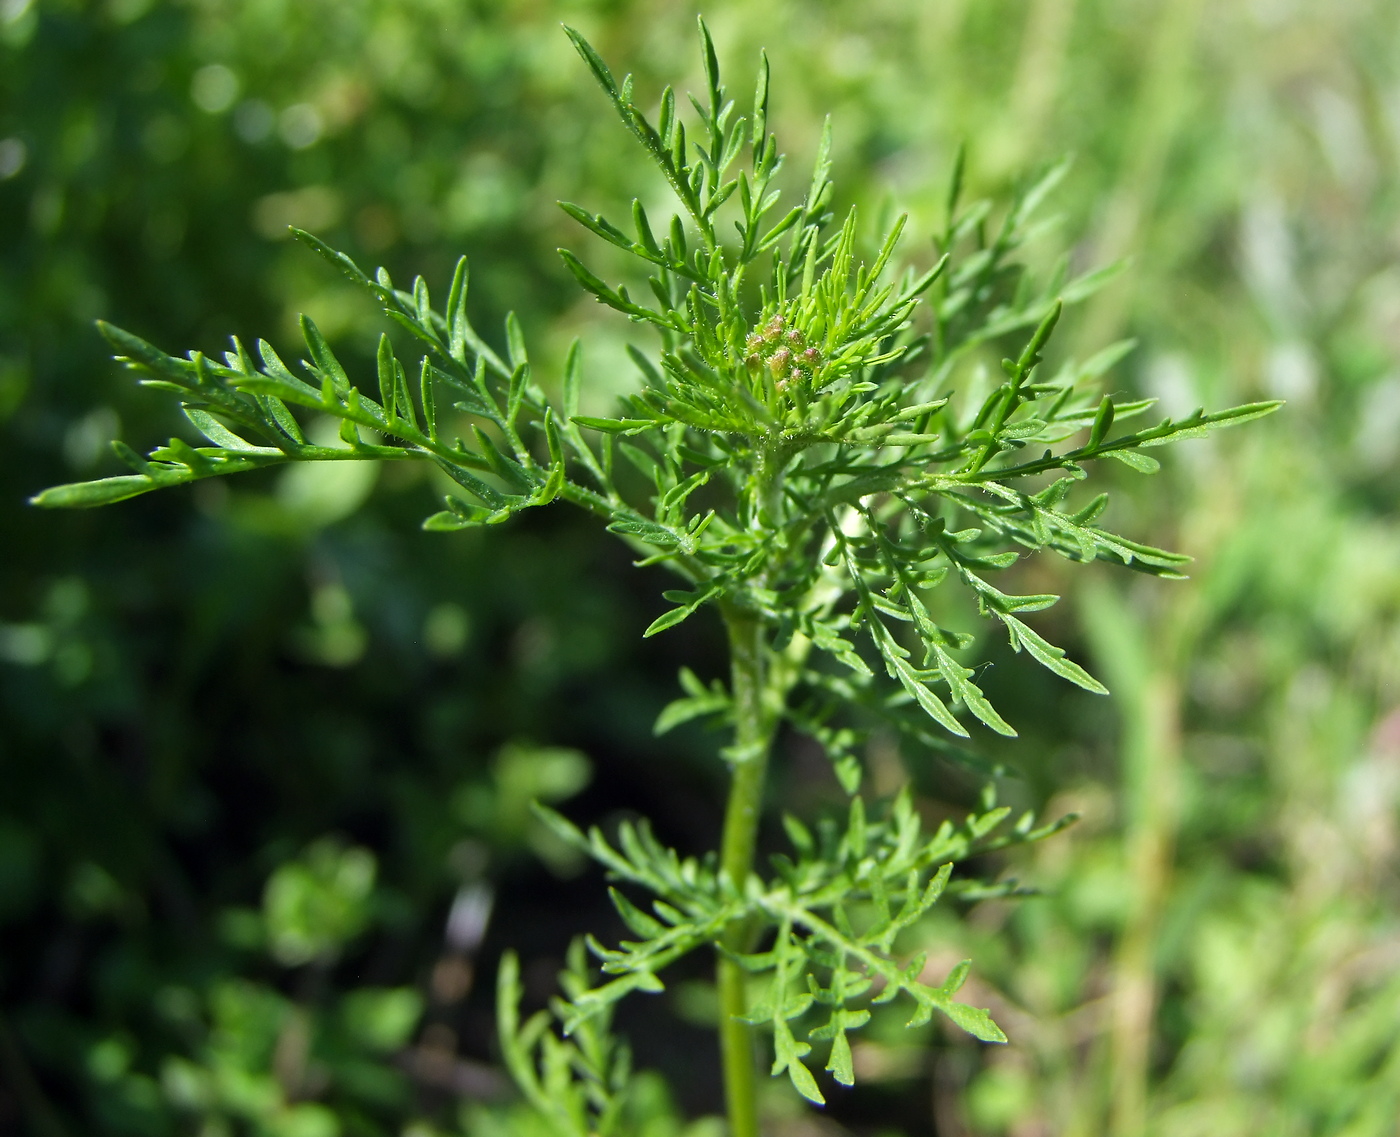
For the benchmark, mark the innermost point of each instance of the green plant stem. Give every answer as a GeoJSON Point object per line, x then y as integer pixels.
{"type": "Point", "coordinates": [736, 1052]}
{"type": "Point", "coordinates": [753, 733]}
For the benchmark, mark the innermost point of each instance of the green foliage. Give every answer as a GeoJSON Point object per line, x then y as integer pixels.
{"type": "Point", "coordinates": [818, 408]}
{"type": "Point", "coordinates": [251, 1056]}
{"type": "Point", "coordinates": [313, 904]}
{"type": "Point", "coordinates": [583, 1085]}
{"type": "Point", "coordinates": [834, 909]}
{"type": "Point", "coordinates": [819, 470]}
{"type": "Point", "coordinates": [157, 659]}
{"type": "Point", "coordinates": [579, 1085]}
{"type": "Point", "coordinates": [500, 809]}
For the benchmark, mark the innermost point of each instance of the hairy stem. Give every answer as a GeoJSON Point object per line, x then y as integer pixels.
{"type": "Point", "coordinates": [753, 735]}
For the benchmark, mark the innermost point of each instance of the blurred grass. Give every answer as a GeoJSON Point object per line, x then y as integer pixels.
{"type": "Point", "coordinates": [1218, 953]}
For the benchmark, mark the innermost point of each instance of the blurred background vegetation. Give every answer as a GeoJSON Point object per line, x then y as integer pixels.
{"type": "Point", "coordinates": [266, 748]}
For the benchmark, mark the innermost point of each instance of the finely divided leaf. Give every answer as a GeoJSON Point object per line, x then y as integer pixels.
{"type": "Point", "coordinates": [1048, 655]}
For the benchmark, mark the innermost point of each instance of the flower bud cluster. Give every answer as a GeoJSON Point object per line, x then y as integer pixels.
{"type": "Point", "coordinates": [784, 351]}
